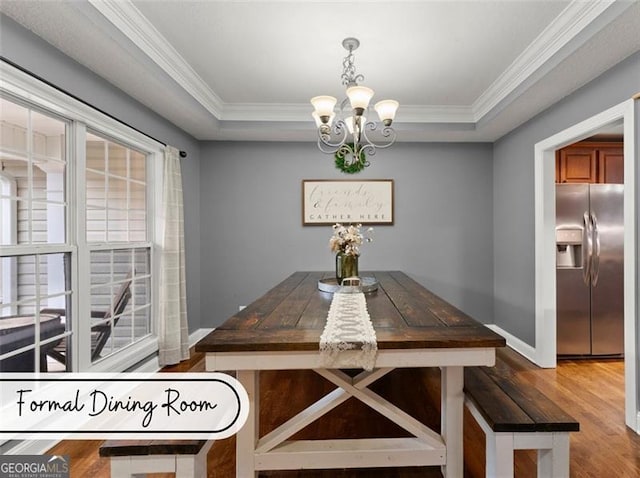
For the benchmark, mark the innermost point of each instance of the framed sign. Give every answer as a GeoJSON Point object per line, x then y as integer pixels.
{"type": "Point", "coordinates": [344, 201]}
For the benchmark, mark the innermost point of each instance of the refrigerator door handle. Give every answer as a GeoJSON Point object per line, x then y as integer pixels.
{"type": "Point", "coordinates": [587, 248]}
{"type": "Point", "coordinates": [595, 262]}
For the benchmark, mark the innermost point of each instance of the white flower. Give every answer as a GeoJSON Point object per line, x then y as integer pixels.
{"type": "Point", "coordinates": [347, 239]}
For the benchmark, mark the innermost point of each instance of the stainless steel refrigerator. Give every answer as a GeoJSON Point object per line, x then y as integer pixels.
{"type": "Point", "coordinates": [589, 269]}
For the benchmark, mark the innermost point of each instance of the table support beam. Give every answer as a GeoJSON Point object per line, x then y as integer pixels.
{"type": "Point", "coordinates": [382, 406]}
{"type": "Point", "coordinates": [452, 403]}
{"type": "Point", "coordinates": [248, 435]}
{"type": "Point", "coordinates": [358, 453]}
{"type": "Point", "coordinates": [301, 420]}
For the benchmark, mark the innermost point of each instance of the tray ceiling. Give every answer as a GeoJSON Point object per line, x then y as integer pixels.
{"type": "Point", "coordinates": [245, 70]}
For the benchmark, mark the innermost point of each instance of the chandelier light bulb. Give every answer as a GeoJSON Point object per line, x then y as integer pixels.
{"type": "Point", "coordinates": [359, 97]}
{"type": "Point", "coordinates": [324, 107]}
{"type": "Point", "coordinates": [386, 110]}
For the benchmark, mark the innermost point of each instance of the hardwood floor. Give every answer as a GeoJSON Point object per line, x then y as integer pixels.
{"type": "Point", "coordinates": [591, 391]}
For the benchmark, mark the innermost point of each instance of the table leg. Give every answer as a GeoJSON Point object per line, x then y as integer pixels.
{"type": "Point", "coordinates": [452, 403]}
{"type": "Point", "coordinates": [247, 437]}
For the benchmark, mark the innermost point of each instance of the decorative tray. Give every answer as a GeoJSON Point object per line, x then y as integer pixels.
{"type": "Point", "coordinates": [367, 284]}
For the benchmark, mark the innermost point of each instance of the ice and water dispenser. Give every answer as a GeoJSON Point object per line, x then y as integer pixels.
{"type": "Point", "coordinates": [569, 247]}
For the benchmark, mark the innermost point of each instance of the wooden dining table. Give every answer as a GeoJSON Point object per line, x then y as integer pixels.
{"type": "Point", "coordinates": [414, 328]}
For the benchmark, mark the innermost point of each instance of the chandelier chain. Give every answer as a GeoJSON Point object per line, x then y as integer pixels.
{"type": "Point", "coordinates": [349, 77]}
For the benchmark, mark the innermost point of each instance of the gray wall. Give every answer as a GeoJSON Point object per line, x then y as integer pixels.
{"type": "Point", "coordinates": [28, 51]}
{"type": "Point", "coordinates": [252, 233]}
{"type": "Point", "coordinates": [241, 198]}
{"type": "Point", "coordinates": [513, 166]}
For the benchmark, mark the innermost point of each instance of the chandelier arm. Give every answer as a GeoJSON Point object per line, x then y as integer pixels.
{"type": "Point", "coordinates": [366, 150]}
{"type": "Point", "coordinates": [353, 153]}
{"type": "Point", "coordinates": [327, 150]}
{"type": "Point", "coordinates": [325, 143]}
{"type": "Point", "coordinates": [386, 132]}
{"type": "Point", "coordinates": [346, 149]}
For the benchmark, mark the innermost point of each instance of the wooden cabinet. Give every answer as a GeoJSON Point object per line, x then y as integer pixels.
{"type": "Point", "coordinates": [611, 165]}
{"type": "Point", "coordinates": [590, 162]}
{"type": "Point", "coordinates": [577, 165]}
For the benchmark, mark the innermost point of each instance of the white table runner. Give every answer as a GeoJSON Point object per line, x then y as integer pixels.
{"type": "Point", "coordinates": [348, 328]}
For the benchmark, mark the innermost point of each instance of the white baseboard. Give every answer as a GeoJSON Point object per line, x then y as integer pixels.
{"type": "Point", "coordinates": [152, 365]}
{"type": "Point", "coordinates": [515, 343]}
{"type": "Point", "coordinates": [198, 335]}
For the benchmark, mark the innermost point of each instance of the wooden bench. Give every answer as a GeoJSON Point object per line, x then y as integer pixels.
{"type": "Point", "coordinates": [516, 416]}
{"type": "Point", "coordinates": [129, 458]}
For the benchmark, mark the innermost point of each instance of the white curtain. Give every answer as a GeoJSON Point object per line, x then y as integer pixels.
{"type": "Point", "coordinates": [173, 330]}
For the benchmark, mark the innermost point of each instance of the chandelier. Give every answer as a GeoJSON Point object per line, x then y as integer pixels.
{"type": "Point", "coordinates": [350, 134]}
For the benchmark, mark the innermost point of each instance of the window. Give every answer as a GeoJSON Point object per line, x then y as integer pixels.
{"type": "Point", "coordinates": [116, 199]}
{"type": "Point", "coordinates": [78, 233]}
{"type": "Point", "coordinates": [34, 262]}
{"type": "Point", "coordinates": [120, 299]}
{"type": "Point", "coordinates": [116, 192]}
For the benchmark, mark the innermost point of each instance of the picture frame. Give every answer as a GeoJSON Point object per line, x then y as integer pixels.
{"type": "Point", "coordinates": [327, 202]}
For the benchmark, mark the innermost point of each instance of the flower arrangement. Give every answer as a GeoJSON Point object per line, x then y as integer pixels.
{"type": "Point", "coordinates": [348, 239]}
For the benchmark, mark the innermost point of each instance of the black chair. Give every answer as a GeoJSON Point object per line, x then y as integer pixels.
{"type": "Point", "coordinates": [18, 331]}
{"type": "Point", "coordinates": [100, 332]}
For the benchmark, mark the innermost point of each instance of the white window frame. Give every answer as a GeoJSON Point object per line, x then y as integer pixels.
{"type": "Point", "coordinates": [35, 249]}
{"type": "Point", "coordinates": [9, 234]}
{"type": "Point", "coordinates": [19, 84]}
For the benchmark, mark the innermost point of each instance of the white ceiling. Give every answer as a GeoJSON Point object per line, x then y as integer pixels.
{"type": "Point", "coordinates": [245, 70]}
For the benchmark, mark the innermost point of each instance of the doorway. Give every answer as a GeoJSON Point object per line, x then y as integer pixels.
{"type": "Point", "coordinates": [589, 246]}
{"type": "Point", "coordinates": [545, 244]}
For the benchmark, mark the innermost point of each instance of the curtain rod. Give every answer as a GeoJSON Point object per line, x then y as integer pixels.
{"type": "Point", "coordinates": [183, 154]}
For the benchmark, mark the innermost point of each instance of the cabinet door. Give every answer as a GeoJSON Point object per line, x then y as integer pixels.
{"type": "Point", "coordinates": [578, 165]}
{"type": "Point", "coordinates": [611, 165]}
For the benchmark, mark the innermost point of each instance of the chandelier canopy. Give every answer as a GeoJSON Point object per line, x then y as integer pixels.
{"type": "Point", "coordinates": [348, 134]}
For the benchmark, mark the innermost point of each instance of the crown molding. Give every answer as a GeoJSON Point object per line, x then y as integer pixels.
{"type": "Point", "coordinates": [124, 15]}
{"type": "Point", "coordinates": [565, 27]}
{"type": "Point", "coordinates": [435, 114]}
{"type": "Point", "coordinates": [535, 60]}
{"type": "Point", "coordinates": [266, 112]}
{"type": "Point", "coordinates": [302, 112]}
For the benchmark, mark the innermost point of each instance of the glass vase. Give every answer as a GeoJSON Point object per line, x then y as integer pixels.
{"type": "Point", "coordinates": [346, 266]}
